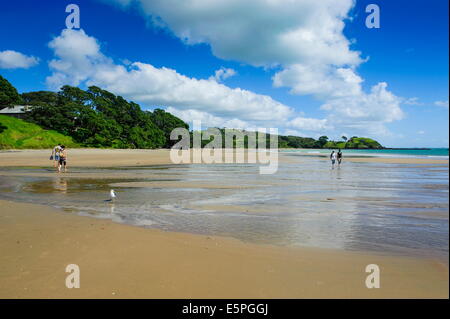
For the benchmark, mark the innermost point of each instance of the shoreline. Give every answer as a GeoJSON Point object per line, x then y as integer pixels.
{"type": "Point", "coordinates": [122, 261]}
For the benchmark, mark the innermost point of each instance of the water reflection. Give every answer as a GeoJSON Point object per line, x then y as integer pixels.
{"type": "Point", "coordinates": [60, 184]}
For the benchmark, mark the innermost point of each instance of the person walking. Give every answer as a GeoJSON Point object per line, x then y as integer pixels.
{"type": "Point", "coordinates": [339, 157]}
{"type": "Point", "coordinates": [62, 159]}
{"type": "Point", "coordinates": [55, 155]}
{"type": "Point", "coordinates": [333, 157]}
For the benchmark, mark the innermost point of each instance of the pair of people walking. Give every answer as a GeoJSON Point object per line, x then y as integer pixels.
{"type": "Point", "coordinates": [59, 157]}
{"type": "Point", "coordinates": [335, 157]}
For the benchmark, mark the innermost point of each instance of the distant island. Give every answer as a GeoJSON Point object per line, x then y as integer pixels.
{"type": "Point", "coordinates": [98, 118]}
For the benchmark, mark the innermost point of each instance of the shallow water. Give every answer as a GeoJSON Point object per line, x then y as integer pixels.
{"type": "Point", "coordinates": [389, 208]}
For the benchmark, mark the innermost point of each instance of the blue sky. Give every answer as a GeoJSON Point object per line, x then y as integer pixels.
{"type": "Point", "coordinates": [290, 70]}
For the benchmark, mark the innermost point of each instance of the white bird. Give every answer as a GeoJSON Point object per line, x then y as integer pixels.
{"type": "Point", "coordinates": [112, 194]}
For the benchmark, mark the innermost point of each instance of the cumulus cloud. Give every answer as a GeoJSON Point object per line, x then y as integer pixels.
{"type": "Point", "coordinates": [223, 74]}
{"type": "Point", "coordinates": [78, 58]}
{"type": "Point", "coordinates": [324, 81]}
{"type": "Point", "coordinates": [10, 59]}
{"type": "Point", "coordinates": [309, 124]}
{"type": "Point", "coordinates": [348, 106]}
{"type": "Point", "coordinates": [207, 119]}
{"type": "Point", "coordinates": [267, 32]}
{"type": "Point", "coordinates": [365, 112]}
{"type": "Point", "coordinates": [164, 86]}
{"type": "Point", "coordinates": [303, 38]}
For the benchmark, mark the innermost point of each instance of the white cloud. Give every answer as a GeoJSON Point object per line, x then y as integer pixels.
{"type": "Point", "coordinates": [309, 124]}
{"type": "Point", "coordinates": [223, 74]}
{"type": "Point", "coordinates": [257, 32]}
{"type": "Point", "coordinates": [442, 103]}
{"type": "Point", "coordinates": [380, 105]}
{"type": "Point", "coordinates": [15, 60]}
{"type": "Point", "coordinates": [324, 81]}
{"type": "Point", "coordinates": [365, 112]}
{"type": "Point", "coordinates": [348, 107]}
{"type": "Point", "coordinates": [207, 119]}
{"type": "Point", "coordinates": [164, 86]}
{"type": "Point", "coordinates": [293, 132]}
{"type": "Point", "coordinates": [78, 58]}
{"type": "Point", "coordinates": [421, 132]}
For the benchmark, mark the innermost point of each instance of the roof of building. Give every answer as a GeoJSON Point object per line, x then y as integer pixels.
{"type": "Point", "coordinates": [17, 109]}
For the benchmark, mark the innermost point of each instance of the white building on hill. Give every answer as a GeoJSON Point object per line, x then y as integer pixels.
{"type": "Point", "coordinates": [17, 111]}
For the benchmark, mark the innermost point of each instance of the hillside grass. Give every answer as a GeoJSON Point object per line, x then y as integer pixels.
{"type": "Point", "coordinates": [19, 134]}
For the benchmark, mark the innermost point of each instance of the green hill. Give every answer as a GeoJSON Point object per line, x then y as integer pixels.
{"type": "Point", "coordinates": [363, 143]}
{"type": "Point", "coordinates": [18, 134]}
{"type": "Point", "coordinates": [355, 143]}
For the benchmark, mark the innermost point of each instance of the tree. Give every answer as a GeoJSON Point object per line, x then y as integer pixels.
{"type": "Point", "coordinates": [99, 118]}
{"type": "Point", "coordinates": [8, 94]}
{"type": "Point", "coordinates": [344, 138]}
{"type": "Point", "coordinates": [40, 98]}
{"type": "Point", "coordinates": [167, 123]}
{"type": "Point", "coordinates": [322, 141]}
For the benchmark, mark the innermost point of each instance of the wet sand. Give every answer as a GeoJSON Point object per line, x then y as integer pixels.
{"type": "Point", "coordinates": [373, 159]}
{"type": "Point", "coordinates": [393, 160]}
{"type": "Point", "coordinates": [120, 261]}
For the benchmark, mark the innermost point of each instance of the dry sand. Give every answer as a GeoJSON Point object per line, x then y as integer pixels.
{"type": "Point", "coordinates": [120, 158]}
{"type": "Point", "coordinates": [87, 157]}
{"type": "Point", "coordinates": [120, 261]}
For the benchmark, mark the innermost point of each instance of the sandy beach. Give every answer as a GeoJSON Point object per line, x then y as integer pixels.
{"type": "Point", "coordinates": [119, 261]}
{"type": "Point", "coordinates": [122, 261]}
